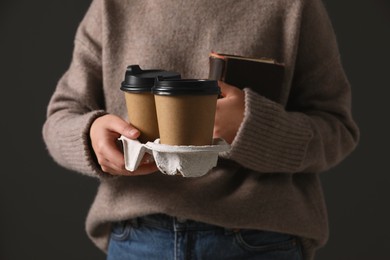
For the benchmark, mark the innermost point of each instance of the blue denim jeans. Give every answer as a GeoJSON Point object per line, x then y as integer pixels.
{"type": "Point", "coordinates": [162, 237]}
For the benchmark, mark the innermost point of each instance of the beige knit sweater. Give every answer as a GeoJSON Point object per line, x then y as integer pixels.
{"type": "Point", "coordinates": [269, 180]}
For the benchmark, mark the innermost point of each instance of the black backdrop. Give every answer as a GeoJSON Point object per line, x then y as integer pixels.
{"type": "Point", "coordinates": [43, 207]}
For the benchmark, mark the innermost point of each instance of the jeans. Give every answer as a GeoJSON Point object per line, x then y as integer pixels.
{"type": "Point", "coordinates": [162, 237]}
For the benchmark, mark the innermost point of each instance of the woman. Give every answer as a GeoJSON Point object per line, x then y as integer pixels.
{"type": "Point", "coordinates": [264, 199]}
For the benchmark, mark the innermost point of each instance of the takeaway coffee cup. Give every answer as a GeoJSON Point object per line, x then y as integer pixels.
{"type": "Point", "coordinates": [140, 104]}
{"type": "Point", "coordinates": [186, 110]}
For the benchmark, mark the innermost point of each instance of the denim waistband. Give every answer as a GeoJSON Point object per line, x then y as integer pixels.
{"type": "Point", "coordinates": [167, 222]}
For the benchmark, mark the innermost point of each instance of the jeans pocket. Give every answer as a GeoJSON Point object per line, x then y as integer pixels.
{"type": "Point", "coordinates": [120, 230]}
{"type": "Point", "coordinates": [255, 240]}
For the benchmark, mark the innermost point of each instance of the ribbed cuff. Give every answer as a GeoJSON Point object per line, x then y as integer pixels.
{"type": "Point", "coordinates": [75, 144]}
{"type": "Point", "coordinates": [270, 139]}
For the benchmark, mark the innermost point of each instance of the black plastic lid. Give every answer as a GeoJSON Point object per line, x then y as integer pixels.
{"type": "Point", "coordinates": [175, 87]}
{"type": "Point", "coordinates": [138, 80]}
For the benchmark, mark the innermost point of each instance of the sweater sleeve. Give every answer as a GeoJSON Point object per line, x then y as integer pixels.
{"type": "Point", "coordinates": [315, 131]}
{"type": "Point", "coordinates": [78, 100]}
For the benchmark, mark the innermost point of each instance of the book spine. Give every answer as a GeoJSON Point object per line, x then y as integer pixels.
{"type": "Point", "coordinates": [216, 68]}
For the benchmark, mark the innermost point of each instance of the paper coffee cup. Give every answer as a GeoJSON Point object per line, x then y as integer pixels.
{"type": "Point", "coordinates": [186, 110]}
{"type": "Point", "coordinates": [140, 103]}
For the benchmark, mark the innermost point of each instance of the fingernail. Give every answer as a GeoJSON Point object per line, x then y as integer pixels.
{"type": "Point", "coordinates": [133, 132]}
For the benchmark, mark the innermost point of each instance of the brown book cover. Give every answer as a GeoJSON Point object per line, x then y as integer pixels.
{"type": "Point", "coordinates": [265, 76]}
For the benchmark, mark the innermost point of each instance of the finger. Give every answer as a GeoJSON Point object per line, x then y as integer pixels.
{"type": "Point", "coordinates": [119, 169]}
{"type": "Point", "coordinates": [116, 156]}
{"type": "Point", "coordinates": [225, 88]}
{"type": "Point", "coordinates": [145, 169]}
{"type": "Point", "coordinates": [108, 150]}
{"type": "Point", "coordinates": [111, 158]}
{"type": "Point", "coordinates": [110, 164]}
{"type": "Point", "coordinates": [217, 126]}
{"type": "Point", "coordinates": [115, 162]}
{"type": "Point", "coordinates": [141, 170]}
{"type": "Point", "coordinates": [112, 170]}
{"type": "Point", "coordinates": [118, 125]}
{"type": "Point", "coordinates": [222, 101]}
{"type": "Point", "coordinates": [229, 90]}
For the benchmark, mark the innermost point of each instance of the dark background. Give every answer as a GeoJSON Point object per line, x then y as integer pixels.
{"type": "Point", "coordinates": [43, 207]}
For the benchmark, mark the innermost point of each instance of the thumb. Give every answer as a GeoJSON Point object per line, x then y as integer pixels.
{"type": "Point", "coordinates": [120, 126]}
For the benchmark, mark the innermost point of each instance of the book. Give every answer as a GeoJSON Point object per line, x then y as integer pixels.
{"type": "Point", "coordinates": [263, 75]}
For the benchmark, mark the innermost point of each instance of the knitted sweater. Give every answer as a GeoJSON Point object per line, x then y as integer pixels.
{"type": "Point", "coordinates": [269, 179]}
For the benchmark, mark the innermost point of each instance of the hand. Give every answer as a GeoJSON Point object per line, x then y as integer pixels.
{"type": "Point", "coordinates": [230, 112]}
{"type": "Point", "coordinates": [104, 134]}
